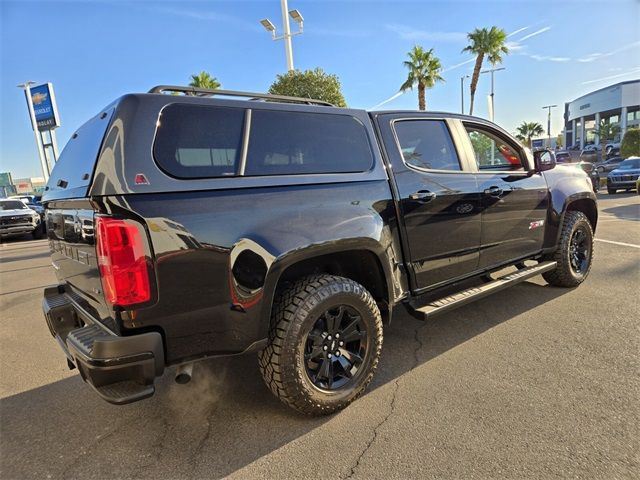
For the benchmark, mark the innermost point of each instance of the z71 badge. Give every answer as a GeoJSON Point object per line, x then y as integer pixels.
{"type": "Point", "coordinates": [536, 224]}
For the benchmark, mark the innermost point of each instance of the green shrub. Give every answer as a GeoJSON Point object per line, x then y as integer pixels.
{"type": "Point", "coordinates": [310, 84]}
{"type": "Point", "coordinates": [630, 146]}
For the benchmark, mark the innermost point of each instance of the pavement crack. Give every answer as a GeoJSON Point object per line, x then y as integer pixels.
{"type": "Point", "coordinates": [392, 408]}
{"type": "Point", "coordinates": [416, 337]}
{"type": "Point", "coordinates": [205, 438]}
{"type": "Point", "coordinates": [392, 405]}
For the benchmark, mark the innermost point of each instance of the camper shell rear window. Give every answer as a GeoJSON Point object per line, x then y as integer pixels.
{"type": "Point", "coordinates": [71, 176]}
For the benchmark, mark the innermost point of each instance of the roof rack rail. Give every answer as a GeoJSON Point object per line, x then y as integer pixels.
{"type": "Point", "coordinates": [196, 91]}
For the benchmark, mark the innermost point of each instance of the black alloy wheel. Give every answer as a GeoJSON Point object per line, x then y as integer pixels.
{"type": "Point", "coordinates": [324, 343]}
{"type": "Point", "coordinates": [335, 348]}
{"type": "Point", "coordinates": [579, 251]}
{"type": "Point", "coordinates": [574, 253]}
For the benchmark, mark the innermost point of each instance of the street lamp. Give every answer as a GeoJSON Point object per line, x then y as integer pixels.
{"type": "Point", "coordinates": [297, 17]}
{"type": "Point", "coordinates": [549, 107]}
{"type": "Point", "coordinates": [491, 104]}
{"type": "Point", "coordinates": [462, 93]}
{"type": "Point", "coordinates": [286, 36]}
{"type": "Point", "coordinates": [269, 27]}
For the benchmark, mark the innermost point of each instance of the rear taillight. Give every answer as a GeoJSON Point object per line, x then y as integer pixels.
{"type": "Point", "coordinates": [122, 261]}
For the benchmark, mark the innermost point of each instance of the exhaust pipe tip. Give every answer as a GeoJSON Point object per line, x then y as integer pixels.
{"type": "Point", "coordinates": [184, 373]}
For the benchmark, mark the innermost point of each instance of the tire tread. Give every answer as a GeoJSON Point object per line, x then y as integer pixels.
{"type": "Point", "coordinates": [280, 376]}
{"type": "Point", "coordinates": [562, 275]}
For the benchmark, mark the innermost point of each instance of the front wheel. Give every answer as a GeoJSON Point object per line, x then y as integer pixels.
{"type": "Point", "coordinates": [574, 254]}
{"type": "Point", "coordinates": [324, 344]}
{"type": "Point", "coordinates": [611, 191]}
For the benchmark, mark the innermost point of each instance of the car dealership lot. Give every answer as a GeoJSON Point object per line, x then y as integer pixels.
{"type": "Point", "coordinates": [531, 382]}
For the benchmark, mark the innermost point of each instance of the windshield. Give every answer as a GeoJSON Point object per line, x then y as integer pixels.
{"type": "Point", "coordinates": [630, 164]}
{"type": "Point", "coordinates": [12, 205]}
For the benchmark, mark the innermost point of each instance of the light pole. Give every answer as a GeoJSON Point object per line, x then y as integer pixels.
{"type": "Point", "coordinates": [549, 107]}
{"type": "Point", "coordinates": [462, 93]}
{"type": "Point", "coordinates": [26, 86]}
{"type": "Point", "coordinates": [491, 103]}
{"type": "Point", "coordinates": [286, 36]}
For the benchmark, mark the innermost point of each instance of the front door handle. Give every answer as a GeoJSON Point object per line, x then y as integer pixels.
{"type": "Point", "coordinates": [422, 196]}
{"type": "Point", "coordinates": [494, 191]}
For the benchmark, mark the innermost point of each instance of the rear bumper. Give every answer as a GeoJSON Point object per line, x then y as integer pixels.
{"type": "Point", "coordinates": [120, 369]}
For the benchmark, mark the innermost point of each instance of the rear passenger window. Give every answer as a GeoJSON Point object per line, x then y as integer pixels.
{"type": "Point", "coordinates": [195, 141]}
{"type": "Point", "coordinates": [427, 144]}
{"type": "Point", "coordinates": [290, 143]}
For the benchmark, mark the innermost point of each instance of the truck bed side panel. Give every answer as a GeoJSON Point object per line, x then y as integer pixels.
{"type": "Point", "coordinates": [219, 253]}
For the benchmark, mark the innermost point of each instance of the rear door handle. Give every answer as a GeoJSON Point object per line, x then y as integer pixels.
{"type": "Point", "coordinates": [494, 191]}
{"type": "Point", "coordinates": [422, 196]}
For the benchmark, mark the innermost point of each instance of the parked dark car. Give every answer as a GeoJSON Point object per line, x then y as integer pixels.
{"type": "Point", "coordinates": [608, 165]}
{"type": "Point", "coordinates": [625, 175]}
{"type": "Point", "coordinates": [590, 153]}
{"type": "Point", "coordinates": [184, 227]}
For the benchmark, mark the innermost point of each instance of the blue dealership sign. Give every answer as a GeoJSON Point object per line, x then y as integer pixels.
{"type": "Point", "coordinates": [44, 107]}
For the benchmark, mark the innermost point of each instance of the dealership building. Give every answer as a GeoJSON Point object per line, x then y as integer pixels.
{"type": "Point", "coordinates": [619, 103]}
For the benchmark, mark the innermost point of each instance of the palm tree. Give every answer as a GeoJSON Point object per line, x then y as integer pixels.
{"type": "Point", "coordinates": [490, 43]}
{"type": "Point", "coordinates": [528, 130]}
{"type": "Point", "coordinates": [204, 80]}
{"type": "Point", "coordinates": [606, 131]}
{"type": "Point", "coordinates": [424, 70]}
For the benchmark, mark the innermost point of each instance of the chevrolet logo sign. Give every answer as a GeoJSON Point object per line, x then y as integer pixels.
{"type": "Point", "coordinates": [38, 98]}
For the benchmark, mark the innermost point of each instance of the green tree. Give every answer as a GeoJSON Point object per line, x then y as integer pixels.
{"type": "Point", "coordinates": [482, 147]}
{"type": "Point", "coordinates": [314, 84]}
{"type": "Point", "coordinates": [424, 70]}
{"type": "Point", "coordinates": [204, 80]}
{"type": "Point", "coordinates": [630, 146]}
{"type": "Point", "coordinates": [528, 130]}
{"type": "Point", "coordinates": [490, 43]}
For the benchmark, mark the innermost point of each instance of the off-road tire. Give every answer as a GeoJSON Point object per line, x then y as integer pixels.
{"type": "Point", "coordinates": [295, 311]}
{"type": "Point", "coordinates": [564, 275]}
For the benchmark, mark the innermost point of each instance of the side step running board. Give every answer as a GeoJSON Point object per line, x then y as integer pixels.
{"type": "Point", "coordinates": [466, 296]}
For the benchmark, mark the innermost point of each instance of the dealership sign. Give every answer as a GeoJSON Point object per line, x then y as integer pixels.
{"type": "Point", "coordinates": [44, 107]}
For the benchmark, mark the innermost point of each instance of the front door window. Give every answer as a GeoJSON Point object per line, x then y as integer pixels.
{"type": "Point", "coordinates": [493, 153]}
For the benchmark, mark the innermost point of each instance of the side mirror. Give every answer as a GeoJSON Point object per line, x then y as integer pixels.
{"type": "Point", "coordinates": [544, 160]}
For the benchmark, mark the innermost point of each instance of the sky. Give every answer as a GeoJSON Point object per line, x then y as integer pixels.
{"type": "Point", "coordinates": [95, 51]}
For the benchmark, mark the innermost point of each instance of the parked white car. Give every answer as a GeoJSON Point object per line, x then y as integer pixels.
{"type": "Point", "coordinates": [18, 219]}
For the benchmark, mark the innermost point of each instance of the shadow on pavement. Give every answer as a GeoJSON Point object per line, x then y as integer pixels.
{"type": "Point", "coordinates": [17, 238]}
{"type": "Point", "coordinates": [602, 195]}
{"type": "Point", "coordinates": [624, 212]}
{"type": "Point", "coordinates": [222, 421]}
{"type": "Point", "coordinates": [30, 256]}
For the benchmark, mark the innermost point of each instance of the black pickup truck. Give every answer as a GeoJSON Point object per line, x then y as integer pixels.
{"type": "Point", "coordinates": [187, 223]}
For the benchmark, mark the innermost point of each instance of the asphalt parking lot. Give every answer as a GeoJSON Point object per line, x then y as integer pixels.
{"type": "Point", "coordinates": [533, 382]}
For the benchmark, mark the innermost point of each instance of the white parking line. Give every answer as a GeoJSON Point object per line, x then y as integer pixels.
{"type": "Point", "coordinates": [617, 243]}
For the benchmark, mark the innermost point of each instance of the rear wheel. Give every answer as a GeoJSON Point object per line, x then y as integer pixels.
{"type": "Point", "coordinates": [611, 191]}
{"type": "Point", "coordinates": [574, 254]}
{"type": "Point", "coordinates": [324, 344]}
